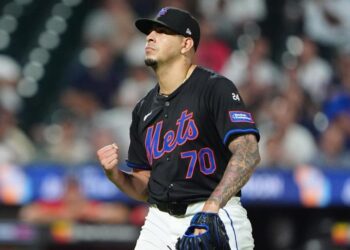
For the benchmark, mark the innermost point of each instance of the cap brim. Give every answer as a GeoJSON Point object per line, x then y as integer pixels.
{"type": "Point", "coordinates": [145, 25]}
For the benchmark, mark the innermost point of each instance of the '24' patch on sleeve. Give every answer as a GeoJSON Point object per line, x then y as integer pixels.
{"type": "Point", "coordinates": [241, 116]}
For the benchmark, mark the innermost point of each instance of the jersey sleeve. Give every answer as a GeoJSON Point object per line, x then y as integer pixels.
{"type": "Point", "coordinates": [228, 111]}
{"type": "Point", "coordinates": [137, 158]}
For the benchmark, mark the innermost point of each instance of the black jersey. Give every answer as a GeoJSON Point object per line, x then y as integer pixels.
{"type": "Point", "coordinates": [183, 138]}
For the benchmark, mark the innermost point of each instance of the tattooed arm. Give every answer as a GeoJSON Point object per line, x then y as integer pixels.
{"type": "Point", "coordinates": [245, 156]}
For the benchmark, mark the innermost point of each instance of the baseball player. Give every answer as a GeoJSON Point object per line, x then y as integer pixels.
{"type": "Point", "coordinates": [193, 146]}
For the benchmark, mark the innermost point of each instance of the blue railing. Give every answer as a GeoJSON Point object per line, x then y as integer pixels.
{"type": "Point", "coordinates": [303, 186]}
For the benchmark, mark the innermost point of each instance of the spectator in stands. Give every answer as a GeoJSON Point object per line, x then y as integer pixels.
{"type": "Point", "coordinates": [342, 64]}
{"type": "Point", "coordinates": [230, 17]}
{"type": "Point", "coordinates": [332, 149]}
{"type": "Point", "coordinates": [74, 206]}
{"type": "Point", "coordinates": [212, 52]}
{"type": "Point", "coordinates": [253, 72]}
{"type": "Point", "coordinates": [10, 73]}
{"type": "Point", "coordinates": [299, 97]}
{"type": "Point", "coordinates": [113, 19]}
{"type": "Point", "coordinates": [93, 81]}
{"type": "Point", "coordinates": [313, 72]}
{"type": "Point", "coordinates": [15, 146]}
{"type": "Point", "coordinates": [285, 142]}
{"type": "Point", "coordinates": [337, 105]}
{"type": "Point", "coordinates": [134, 87]}
{"type": "Point", "coordinates": [67, 140]}
{"type": "Point", "coordinates": [337, 110]}
{"type": "Point", "coordinates": [327, 22]}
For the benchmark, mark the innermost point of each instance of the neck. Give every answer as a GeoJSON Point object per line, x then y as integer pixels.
{"type": "Point", "coordinates": [170, 78]}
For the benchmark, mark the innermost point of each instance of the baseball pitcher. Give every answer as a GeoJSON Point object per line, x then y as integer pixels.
{"type": "Point", "coordinates": [193, 146]}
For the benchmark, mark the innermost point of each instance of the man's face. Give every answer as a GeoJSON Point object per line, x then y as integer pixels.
{"type": "Point", "coordinates": [162, 45]}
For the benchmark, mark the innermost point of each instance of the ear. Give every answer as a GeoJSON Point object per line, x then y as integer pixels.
{"type": "Point", "coordinates": [187, 45]}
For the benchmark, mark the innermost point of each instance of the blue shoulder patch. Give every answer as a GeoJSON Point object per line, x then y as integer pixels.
{"type": "Point", "coordinates": [241, 116]}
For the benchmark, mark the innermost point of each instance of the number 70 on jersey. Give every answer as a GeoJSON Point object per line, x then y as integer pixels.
{"type": "Point", "coordinates": [204, 158]}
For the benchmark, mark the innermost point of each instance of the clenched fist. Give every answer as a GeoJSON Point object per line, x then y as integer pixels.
{"type": "Point", "coordinates": [108, 157]}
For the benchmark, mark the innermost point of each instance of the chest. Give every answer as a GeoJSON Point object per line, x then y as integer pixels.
{"type": "Point", "coordinates": [173, 123]}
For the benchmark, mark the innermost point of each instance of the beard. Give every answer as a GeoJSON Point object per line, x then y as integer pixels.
{"type": "Point", "coordinates": [151, 63]}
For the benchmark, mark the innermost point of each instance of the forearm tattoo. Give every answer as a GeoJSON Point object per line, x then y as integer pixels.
{"type": "Point", "coordinates": [239, 169]}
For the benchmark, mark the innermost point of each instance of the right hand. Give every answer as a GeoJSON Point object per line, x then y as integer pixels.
{"type": "Point", "coordinates": [108, 157]}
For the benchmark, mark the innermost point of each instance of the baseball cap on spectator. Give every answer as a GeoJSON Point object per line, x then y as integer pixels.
{"type": "Point", "coordinates": [177, 20]}
{"type": "Point", "coordinates": [337, 105]}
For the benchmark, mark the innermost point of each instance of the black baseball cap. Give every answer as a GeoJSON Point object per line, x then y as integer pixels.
{"type": "Point", "coordinates": [177, 20]}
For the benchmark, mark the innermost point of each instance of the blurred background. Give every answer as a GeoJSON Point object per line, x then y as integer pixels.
{"type": "Point", "coordinates": [71, 71]}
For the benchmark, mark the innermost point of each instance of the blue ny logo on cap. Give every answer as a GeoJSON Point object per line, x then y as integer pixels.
{"type": "Point", "coordinates": [162, 12]}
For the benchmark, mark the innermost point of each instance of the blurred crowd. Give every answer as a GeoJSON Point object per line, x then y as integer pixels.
{"type": "Point", "coordinates": [295, 81]}
{"type": "Point", "coordinates": [292, 73]}
{"type": "Point", "coordinates": [291, 68]}
{"type": "Point", "coordinates": [291, 65]}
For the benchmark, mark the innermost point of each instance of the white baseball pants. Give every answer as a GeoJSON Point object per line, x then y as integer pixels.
{"type": "Point", "coordinates": [161, 230]}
